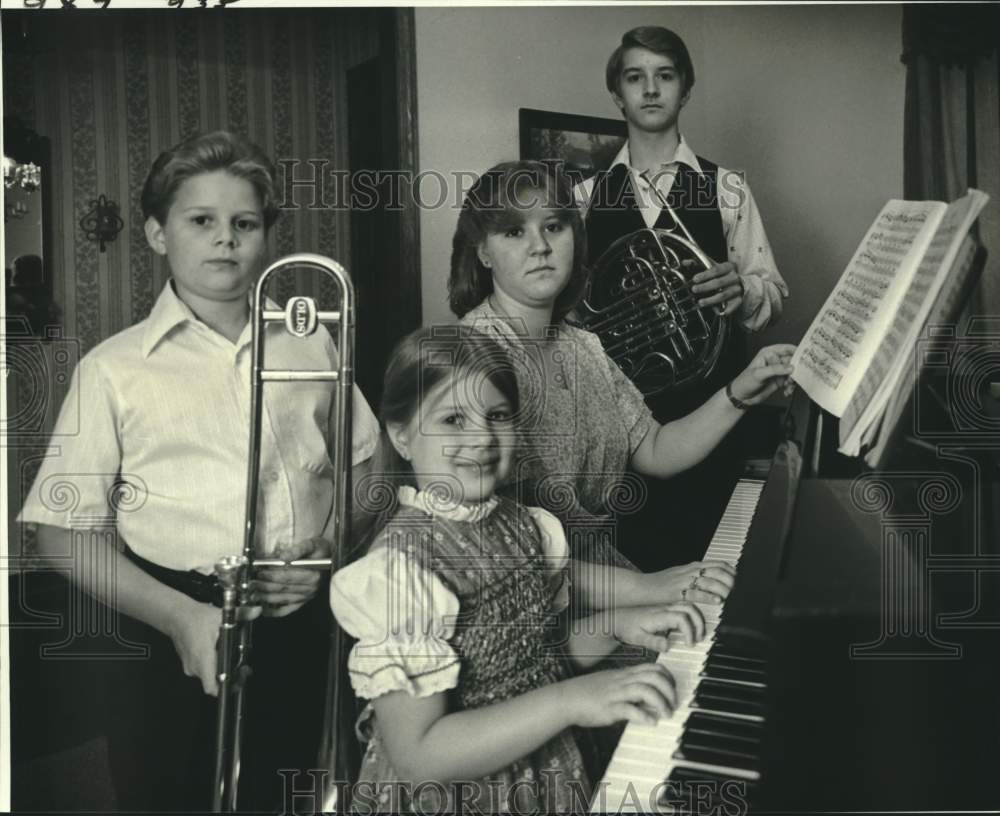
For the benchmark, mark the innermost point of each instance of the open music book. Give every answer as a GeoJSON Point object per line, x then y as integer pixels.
{"type": "Point", "coordinates": [859, 348]}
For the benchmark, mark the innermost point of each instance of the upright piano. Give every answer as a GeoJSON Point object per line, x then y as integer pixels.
{"type": "Point", "coordinates": [854, 666]}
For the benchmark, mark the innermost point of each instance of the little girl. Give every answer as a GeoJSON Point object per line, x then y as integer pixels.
{"type": "Point", "coordinates": [456, 608]}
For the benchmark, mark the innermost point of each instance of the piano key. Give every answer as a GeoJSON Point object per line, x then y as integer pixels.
{"type": "Point", "coordinates": [720, 748]}
{"type": "Point", "coordinates": [725, 671]}
{"type": "Point", "coordinates": [720, 757]}
{"type": "Point", "coordinates": [718, 660]}
{"type": "Point", "coordinates": [720, 689]}
{"type": "Point", "coordinates": [707, 724]}
{"type": "Point", "coordinates": [732, 699]}
{"type": "Point", "coordinates": [738, 677]}
{"type": "Point", "coordinates": [726, 650]}
{"type": "Point", "coordinates": [647, 755]}
{"type": "Point", "coordinates": [722, 770]}
{"type": "Point", "coordinates": [727, 712]}
{"type": "Point", "coordinates": [694, 791]}
{"type": "Point", "coordinates": [690, 775]}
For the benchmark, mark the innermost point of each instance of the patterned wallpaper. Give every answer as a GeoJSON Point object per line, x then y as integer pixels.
{"type": "Point", "coordinates": [112, 90]}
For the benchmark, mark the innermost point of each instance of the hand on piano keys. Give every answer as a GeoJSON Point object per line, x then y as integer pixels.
{"type": "Point", "coordinates": [700, 581]}
{"type": "Point", "coordinates": [649, 626]}
{"type": "Point", "coordinates": [638, 694]}
{"type": "Point", "coordinates": [711, 743]}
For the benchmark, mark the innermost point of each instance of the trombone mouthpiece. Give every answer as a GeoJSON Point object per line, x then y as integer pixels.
{"type": "Point", "coordinates": [227, 570]}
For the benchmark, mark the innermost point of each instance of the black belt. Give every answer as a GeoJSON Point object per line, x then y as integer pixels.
{"type": "Point", "coordinates": [196, 585]}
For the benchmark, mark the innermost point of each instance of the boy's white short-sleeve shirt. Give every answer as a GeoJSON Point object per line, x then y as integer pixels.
{"type": "Point", "coordinates": [162, 445]}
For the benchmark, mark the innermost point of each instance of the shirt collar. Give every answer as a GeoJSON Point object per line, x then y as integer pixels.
{"type": "Point", "coordinates": [170, 311]}
{"type": "Point", "coordinates": [445, 506]}
{"type": "Point", "coordinates": [683, 155]}
{"type": "Point", "coordinates": [510, 332]}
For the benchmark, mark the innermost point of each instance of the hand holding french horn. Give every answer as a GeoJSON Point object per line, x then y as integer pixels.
{"type": "Point", "coordinates": [719, 285]}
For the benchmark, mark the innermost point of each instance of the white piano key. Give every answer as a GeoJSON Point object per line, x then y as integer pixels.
{"type": "Point", "coordinates": [644, 757]}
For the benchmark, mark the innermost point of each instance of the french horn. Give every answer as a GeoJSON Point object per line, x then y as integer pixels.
{"type": "Point", "coordinates": [640, 304]}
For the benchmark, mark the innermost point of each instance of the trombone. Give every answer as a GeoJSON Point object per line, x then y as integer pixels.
{"type": "Point", "coordinates": [301, 318]}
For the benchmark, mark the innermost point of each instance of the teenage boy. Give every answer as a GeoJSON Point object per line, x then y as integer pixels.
{"type": "Point", "coordinates": [650, 77]}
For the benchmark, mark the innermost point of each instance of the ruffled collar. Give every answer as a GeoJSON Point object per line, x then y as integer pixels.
{"type": "Point", "coordinates": [444, 506]}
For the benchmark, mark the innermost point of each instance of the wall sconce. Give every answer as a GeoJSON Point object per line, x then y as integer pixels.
{"type": "Point", "coordinates": [102, 223]}
{"type": "Point", "coordinates": [16, 210]}
{"type": "Point", "coordinates": [9, 171]}
{"type": "Point", "coordinates": [27, 176]}
{"type": "Point", "coordinates": [22, 180]}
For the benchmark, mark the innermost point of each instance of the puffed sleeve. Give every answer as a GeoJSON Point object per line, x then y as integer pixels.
{"type": "Point", "coordinates": [402, 616]}
{"type": "Point", "coordinates": [556, 551]}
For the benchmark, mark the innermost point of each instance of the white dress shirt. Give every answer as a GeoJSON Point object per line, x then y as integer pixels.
{"type": "Point", "coordinates": [163, 410]}
{"type": "Point", "coordinates": [746, 241]}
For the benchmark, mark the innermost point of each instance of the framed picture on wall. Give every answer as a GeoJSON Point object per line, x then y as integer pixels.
{"type": "Point", "coordinates": [585, 143]}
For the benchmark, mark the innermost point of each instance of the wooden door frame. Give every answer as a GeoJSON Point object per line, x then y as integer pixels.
{"type": "Point", "coordinates": [399, 44]}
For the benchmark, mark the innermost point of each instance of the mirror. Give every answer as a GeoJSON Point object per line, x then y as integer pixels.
{"type": "Point", "coordinates": [27, 265]}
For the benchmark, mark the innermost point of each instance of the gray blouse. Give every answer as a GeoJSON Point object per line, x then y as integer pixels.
{"type": "Point", "coordinates": [579, 430]}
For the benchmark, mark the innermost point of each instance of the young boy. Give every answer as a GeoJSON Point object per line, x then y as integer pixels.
{"type": "Point", "coordinates": [164, 421]}
{"type": "Point", "coordinates": [650, 77]}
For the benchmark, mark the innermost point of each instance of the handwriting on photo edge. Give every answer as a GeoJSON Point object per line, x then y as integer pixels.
{"type": "Point", "coordinates": [103, 4]}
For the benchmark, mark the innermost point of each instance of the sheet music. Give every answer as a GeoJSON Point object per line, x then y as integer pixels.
{"type": "Point", "coordinates": [843, 341]}
{"type": "Point", "coordinates": [886, 373]}
{"type": "Point", "coordinates": [871, 396]}
{"type": "Point", "coordinates": [946, 303]}
{"type": "Point", "coordinates": [881, 433]}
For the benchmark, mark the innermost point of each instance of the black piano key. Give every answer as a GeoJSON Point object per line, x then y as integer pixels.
{"type": "Point", "coordinates": [721, 745]}
{"type": "Point", "coordinates": [682, 774]}
{"type": "Point", "coordinates": [688, 790]}
{"type": "Point", "coordinates": [734, 652]}
{"type": "Point", "coordinates": [720, 740]}
{"type": "Point", "coordinates": [723, 661]}
{"type": "Point", "coordinates": [713, 755]}
{"type": "Point", "coordinates": [699, 722]}
{"type": "Point", "coordinates": [728, 698]}
{"type": "Point", "coordinates": [750, 694]}
{"type": "Point", "coordinates": [728, 707]}
{"type": "Point", "coordinates": [728, 674]}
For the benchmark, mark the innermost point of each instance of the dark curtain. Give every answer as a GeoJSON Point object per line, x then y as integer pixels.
{"type": "Point", "coordinates": [951, 137]}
